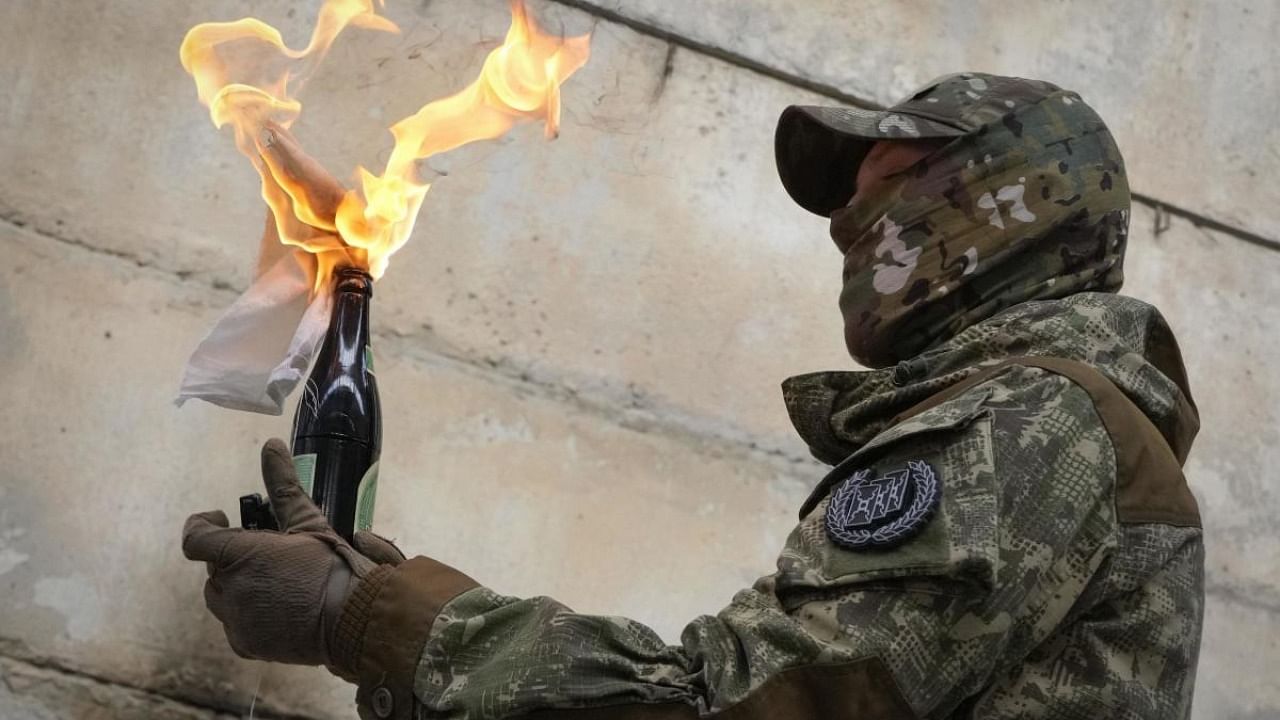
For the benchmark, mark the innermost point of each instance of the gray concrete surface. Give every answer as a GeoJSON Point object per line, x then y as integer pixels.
{"type": "Point", "coordinates": [38, 693]}
{"type": "Point", "coordinates": [1187, 86]}
{"type": "Point", "coordinates": [585, 337]}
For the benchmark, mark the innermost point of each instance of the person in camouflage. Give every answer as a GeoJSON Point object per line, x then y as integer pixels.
{"type": "Point", "coordinates": [1006, 531]}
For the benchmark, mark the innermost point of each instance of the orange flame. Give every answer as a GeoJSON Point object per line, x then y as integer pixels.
{"type": "Point", "coordinates": [248, 78]}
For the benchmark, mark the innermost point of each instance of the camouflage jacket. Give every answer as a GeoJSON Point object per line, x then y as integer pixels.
{"type": "Point", "coordinates": [1061, 575]}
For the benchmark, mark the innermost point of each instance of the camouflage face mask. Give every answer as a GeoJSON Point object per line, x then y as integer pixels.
{"type": "Point", "coordinates": [1033, 206]}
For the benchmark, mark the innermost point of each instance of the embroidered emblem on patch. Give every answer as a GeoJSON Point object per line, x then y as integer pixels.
{"type": "Point", "coordinates": [886, 511]}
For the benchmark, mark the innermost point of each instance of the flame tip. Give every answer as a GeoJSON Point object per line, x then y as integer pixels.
{"type": "Point", "coordinates": [364, 225]}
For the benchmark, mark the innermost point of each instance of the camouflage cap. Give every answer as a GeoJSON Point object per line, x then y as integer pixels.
{"type": "Point", "coordinates": [818, 149]}
{"type": "Point", "coordinates": [1031, 205]}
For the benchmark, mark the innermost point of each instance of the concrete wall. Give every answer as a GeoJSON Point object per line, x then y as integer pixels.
{"type": "Point", "coordinates": [1187, 86]}
{"type": "Point", "coordinates": [584, 337]}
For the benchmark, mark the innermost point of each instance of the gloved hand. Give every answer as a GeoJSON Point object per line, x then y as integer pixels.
{"type": "Point", "coordinates": [280, 595]}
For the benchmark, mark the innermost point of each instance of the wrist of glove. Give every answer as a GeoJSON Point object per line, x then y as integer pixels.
{"type": "Point", "coordinates": [299, 595]}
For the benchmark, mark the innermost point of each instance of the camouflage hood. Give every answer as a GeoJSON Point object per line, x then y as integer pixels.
{"type": "Point", "coordinates": [1026, 199]}
{"type": "Point", "coordinates": [836, 413]}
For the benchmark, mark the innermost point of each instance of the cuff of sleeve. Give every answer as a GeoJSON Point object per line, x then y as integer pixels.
{"type": "Point", "coordinates": [348, 636]}
{"type": "Point", "coordinates": [384, 626]}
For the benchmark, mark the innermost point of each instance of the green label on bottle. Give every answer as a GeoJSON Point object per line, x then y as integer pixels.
{"type": "Point", "coordinates": [365, 496]}
{"type": "Point", "coordinates": [305, 465]}
{"type": "Point", "coordinates": [368, 359]}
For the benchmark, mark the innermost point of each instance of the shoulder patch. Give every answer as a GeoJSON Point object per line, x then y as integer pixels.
{"type": "Point", "coordinates": [868, 512]}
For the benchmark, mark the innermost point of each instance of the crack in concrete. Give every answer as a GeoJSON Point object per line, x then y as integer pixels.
{"type": "Point", "coordinates": [630, 407]}
{"type": "Point", "coordinates": [49, 665]}
{"type": "Point", "coordinates": [668, 67]}
{"type": "Point", "coordinates": [746, 63]}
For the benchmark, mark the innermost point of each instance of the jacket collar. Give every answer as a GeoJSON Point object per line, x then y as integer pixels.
{"type": "Point", "coordinates": [837, 412]}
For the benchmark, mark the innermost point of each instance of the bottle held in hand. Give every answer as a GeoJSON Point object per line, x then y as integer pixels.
{"type": "Point", "coordinates": [337, 429]}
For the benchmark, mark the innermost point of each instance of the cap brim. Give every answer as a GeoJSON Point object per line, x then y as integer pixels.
{"type": "Point", "coordinates": [818, 149]}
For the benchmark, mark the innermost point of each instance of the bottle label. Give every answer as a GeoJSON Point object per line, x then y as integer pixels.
{"type": "Point", "coordinates": [305, 465]}
{"type": "Point", "coordinates": [366, 494]}
{"type": "Point", "coordinates": [368, 359]}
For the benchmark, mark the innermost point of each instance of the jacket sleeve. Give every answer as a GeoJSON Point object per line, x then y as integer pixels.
{"type": "Point", "coordinates": [922, 629]}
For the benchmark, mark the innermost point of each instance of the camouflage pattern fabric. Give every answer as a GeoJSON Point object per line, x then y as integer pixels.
{"type": "Point", "coordinates": [1025, 597]}
{"type": "Point", "coordinates": [1032, 204]}
{"type": "Point", "coordinates": [1128, 341]}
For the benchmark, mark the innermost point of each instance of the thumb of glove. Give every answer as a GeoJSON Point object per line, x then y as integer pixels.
{"type": "Point", "coordinates": [377, 548]}
{"type": "Point", "coordinates": [293, 509]}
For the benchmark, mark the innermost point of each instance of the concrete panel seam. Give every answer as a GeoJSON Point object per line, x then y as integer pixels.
{"type": "Point", "coordinates": [76, 673]}
{"type": "Point", "coordinates": [830, 91]}
{"type": "Point", "coordinates": [1249, 594]}
{"type": "Point", "coordinates": [17, 220]}
{"type": "Point", "coordinates": [1205, 222]}
{"type": "Point", "coordinates": [627, 408]}
{"type": "Point", "coordinates": [719, 53]}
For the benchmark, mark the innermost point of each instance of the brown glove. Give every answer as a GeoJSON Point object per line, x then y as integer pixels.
{"type": "Point", "coordinates": [279, 595]}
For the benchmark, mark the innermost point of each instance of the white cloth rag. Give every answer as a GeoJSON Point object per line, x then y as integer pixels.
{"type": "Point", "coordinates": [263, 344]}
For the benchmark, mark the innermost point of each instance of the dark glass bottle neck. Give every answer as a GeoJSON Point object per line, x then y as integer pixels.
{"type": "Point", "coordinates": [340, 398]}
{"type": "Point", "coordinates": [348, 334]}
{"type": "Point", "coordinates": [349, 279]}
